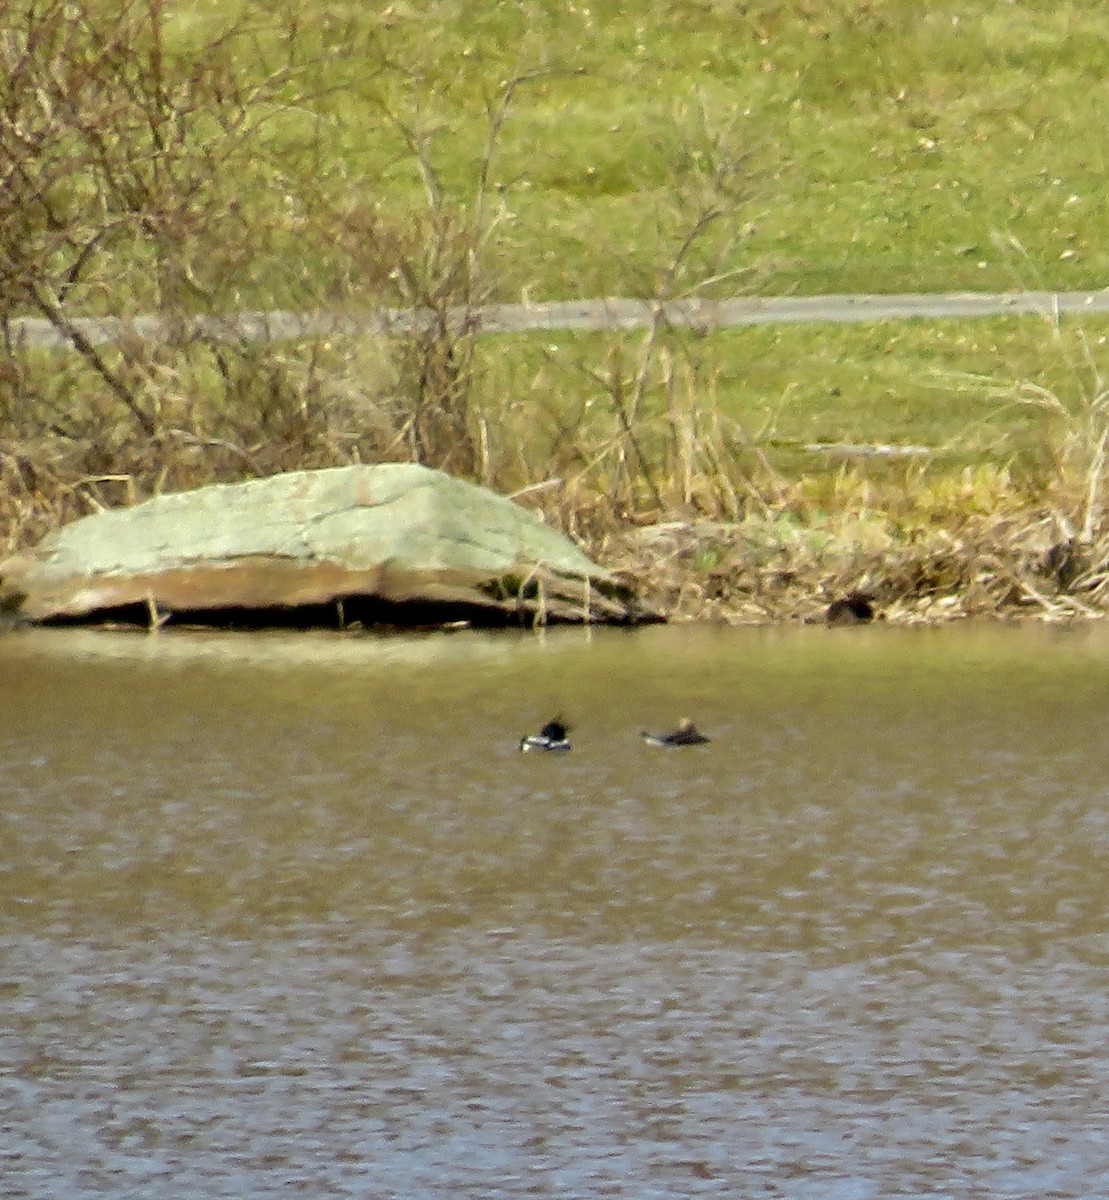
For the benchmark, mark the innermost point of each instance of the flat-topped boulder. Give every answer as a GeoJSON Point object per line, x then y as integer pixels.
{"type": "Point", "coordinates": [359, 540]}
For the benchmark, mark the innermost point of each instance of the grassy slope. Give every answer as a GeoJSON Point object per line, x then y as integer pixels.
{"type": "Point", "coordinates": [899, 146]}
{"type": "Point", "coordinates": [896, 146]}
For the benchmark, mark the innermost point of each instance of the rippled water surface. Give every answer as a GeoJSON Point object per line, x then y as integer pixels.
{"type": "Point", "coordinates": [290, 916]}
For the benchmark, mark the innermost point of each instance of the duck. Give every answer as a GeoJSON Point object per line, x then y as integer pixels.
{"type": "Point", "coordinates": [855, 608]}
{"type": "Point", "coordinates": [686, 734]}
{"type": "Point", "coordinates": [553, 736]}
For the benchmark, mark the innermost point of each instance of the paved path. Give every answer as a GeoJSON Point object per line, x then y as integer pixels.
{"type": "Point", "coordinates": [569, 315]}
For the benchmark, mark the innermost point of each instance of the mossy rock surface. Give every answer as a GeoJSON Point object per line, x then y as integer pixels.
{"type": "Point", "coordinates": [396, 533]}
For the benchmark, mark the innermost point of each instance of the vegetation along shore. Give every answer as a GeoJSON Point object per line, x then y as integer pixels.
{"type": "Point", "coordinates": [194, 161]}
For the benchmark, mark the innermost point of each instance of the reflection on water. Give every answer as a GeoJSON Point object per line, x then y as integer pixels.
{"type": "Point", "coordinates": [289, 915]}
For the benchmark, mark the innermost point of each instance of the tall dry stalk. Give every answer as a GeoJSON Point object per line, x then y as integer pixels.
{"type": "Point", "coordinates": [649, 443]}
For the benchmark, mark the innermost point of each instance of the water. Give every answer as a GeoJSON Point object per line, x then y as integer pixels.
{"type": "Point", "coordinates": [289, 915]}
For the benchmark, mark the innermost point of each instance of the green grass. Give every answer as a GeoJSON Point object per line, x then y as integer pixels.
{"type": "Point", "coordinates": [895, 146]}
{"type": "Point", "coordinates": [951, 387]}
{"type": "Point", "coordinates": [892, 141]}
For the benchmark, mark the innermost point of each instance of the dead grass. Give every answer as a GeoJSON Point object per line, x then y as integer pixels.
{"type": "Point", "coordinates": [645, 472]}
{"type": "Point", "coordinates": [758, 572]}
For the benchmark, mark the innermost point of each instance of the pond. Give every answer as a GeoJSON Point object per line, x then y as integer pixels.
{"type": "Point", "coordinates": [289, 915]}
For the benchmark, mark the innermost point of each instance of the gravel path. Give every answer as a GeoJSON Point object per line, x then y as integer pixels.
{"type": "Point", "coordinates": [566, 315]}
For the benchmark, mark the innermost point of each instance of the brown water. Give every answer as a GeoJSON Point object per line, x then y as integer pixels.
{"type": "Point", "coordinates": [290, 916]}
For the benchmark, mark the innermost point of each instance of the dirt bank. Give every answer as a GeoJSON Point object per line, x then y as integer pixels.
{"type": "Point", "coordinates": [771, 570]}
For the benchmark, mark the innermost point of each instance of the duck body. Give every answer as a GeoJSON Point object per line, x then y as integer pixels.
{"type": "Point", "coordinates": [553, 736]}
{"type": "Point", "coordinates": [686, 734]}
{"type": "Point", "coordinates": [856, 608]}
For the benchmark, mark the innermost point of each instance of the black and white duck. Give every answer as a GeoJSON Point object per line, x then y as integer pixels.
{"type": "Point", "coordinates": [553, 736]}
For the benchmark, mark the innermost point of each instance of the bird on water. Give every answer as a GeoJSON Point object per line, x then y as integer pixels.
{"type": "Point", "coordinates": [686, 734]}
{"type": "Point", "coordinates": [553, 736]}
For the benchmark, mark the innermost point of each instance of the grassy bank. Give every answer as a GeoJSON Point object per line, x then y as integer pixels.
{"type": "Point", "coordinates": [883, 145]}
{"type": "Point", "coordinates": [209, 158]}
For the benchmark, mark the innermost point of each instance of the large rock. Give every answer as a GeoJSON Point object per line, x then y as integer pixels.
{"type": "Point", "coordinates": [352, 537]}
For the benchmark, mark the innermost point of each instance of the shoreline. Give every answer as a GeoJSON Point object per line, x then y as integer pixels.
{"type": "Point", "coordinates": [752, 573]}
{"type": "Point", "coordinates": [755, 572]}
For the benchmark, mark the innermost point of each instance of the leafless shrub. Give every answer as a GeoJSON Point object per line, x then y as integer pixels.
{"type": "Point", "coordinates": [119, 170]}
{"type": "Point", "coordinates": [434, 264]}
{"type": "Point", "coordinates": [136, 176]}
